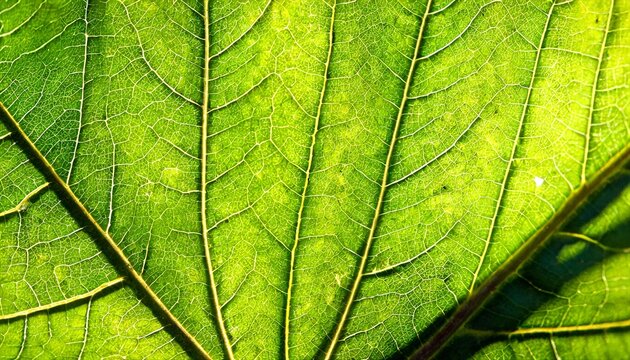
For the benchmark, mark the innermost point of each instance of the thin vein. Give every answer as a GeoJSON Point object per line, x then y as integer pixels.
{"type": "Point", "coordinates": [86, 328]}
{"type": "Point", "coordinates": [154, 71]}
{"type": "Point", "coordinates": [24, 335]}
{"type": "Point", "coordinates": [623, 250]}
{"type": "Point", "coordinates": [18, 27]}
{"type": "Point", "coordinates": [410, 260]}
{"type": "Point", "coordinates": [311, 155]}
{"type": "Point", "coordinates": [203, 184]}
{"type": "Point", "coordinates": [83, 84]}
{"type": "Point", "coordinates": [591, 109]}
{"type": "Point", "coordinates": [24, 202]}
{"type": "Point", "coordinates": [466, 310]}
{"type": "Point", "coordinates": [508, 168]}
{"type": "Point", "coordinates": [611, 325]}
{"type": "Point", "coordinates": [461, 34]}
{"type": "Point", "coordinates": [383, 189]}
{"type": "Point", "coordinates": [80, 211]}
{"type": "Point", "coordinates": [262, 13]}
{"type": "Point", "coordinates": [63, 302]}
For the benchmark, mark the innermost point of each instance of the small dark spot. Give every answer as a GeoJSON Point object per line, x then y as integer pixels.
{"type": "Point", "coordinates": [597, 20]}
{"type": "Point", "coordinates": [496, 111]}
{"type": "Point", "coordinates": [444, 187]}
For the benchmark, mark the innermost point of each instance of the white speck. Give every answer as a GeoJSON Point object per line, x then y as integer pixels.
{"type": "Point", "coordinates": [539, 181]}
{"type": "Point", "coordinates": [338, 279]}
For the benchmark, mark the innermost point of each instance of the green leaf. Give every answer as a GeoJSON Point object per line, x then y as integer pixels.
{"type": "Point", "coordinates": [571, 298]}
{"type": "Point", "coordinates": [298, 179]}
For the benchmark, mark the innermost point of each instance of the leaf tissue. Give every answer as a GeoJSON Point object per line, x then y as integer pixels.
{"type": "Point", "coordinates": [330, 179]}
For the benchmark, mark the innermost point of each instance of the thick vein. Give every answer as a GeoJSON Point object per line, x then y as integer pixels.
{"type": "Point", "coordinates": [298, 227]}
{"type": "Point", "coordinates": [508, 169]}
{"type": "Point", "coordinates": [205, 109]}
{"type": "Point", "coordinates": [83, 85]}
{"type": "Point", "coordinates": [466, 310]}
{"type": "Point", "coordinates": [383, 189]}
{"type": "Point", "coordinates": [79, 211]}
{"type": "Point", "coordinates": [591, 109]}
{"type": "Point", "coordinates": [63, 302]}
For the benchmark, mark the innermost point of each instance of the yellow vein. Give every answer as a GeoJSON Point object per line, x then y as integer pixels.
{"type": "Point", "coordinates": [508, 168]}
{"type": "Point", "coordinates": [379, 205]}
{"type": "Point", "coordinates": [287, 320]}
{"type": "Point", "coordinates": [79, 210]}
{"type": "Point", "coordinates": [229, 46]}
{"type": "Point", "coordinates": [591, 109]}
{"type": "Point", "coordinates": [24, 202]}
{"type": "Point", "coordinates": [612, 325]}
{"type": "Point", "coordinates": [478, 298]}
{"type": "Point", "coordinates": [63, 302]}
{"type": "Point", "coordinates": [204, 163]}
{"type": "Point", "coordinates": [83, 85]}
{"type": "Point", "coordinates": [86, 328]}
{"type": "Point", "coordinates": [19, 26]}
{"type": "Point", "coordinates": [624, 250]}
{"type": "Point", "coordinates": [23, 342]}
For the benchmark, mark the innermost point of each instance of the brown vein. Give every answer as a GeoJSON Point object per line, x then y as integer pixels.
{"type": "Point", "coordinates": [478, 298]}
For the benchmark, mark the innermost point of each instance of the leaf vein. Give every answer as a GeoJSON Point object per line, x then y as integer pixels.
{"type": "Point", "coordinates": [383, 189]}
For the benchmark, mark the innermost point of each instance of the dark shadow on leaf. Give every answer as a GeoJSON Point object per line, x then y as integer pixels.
{"type": "Point", "coordinates": [563, 259]}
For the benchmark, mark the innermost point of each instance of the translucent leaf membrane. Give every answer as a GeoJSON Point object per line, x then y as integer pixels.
{"type": "Point", "coordinates": [59, 296]}
{"type": "Point", "coordinates": [570, 299]}
{"type": "Point", "coordinates": [298, 179]}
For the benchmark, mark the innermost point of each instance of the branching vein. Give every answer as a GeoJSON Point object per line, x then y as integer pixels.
{"type": "Point", "coordinates": [63, 302]}
{"type": "Point", "coordinates": [519, 133]}
{"type": "Point", "coordinates": [383, 189]}
{"type": "Point", "coordinates": [79, 210]}
{"type": "Point", "coordinates": [205, 110]}
{"type": "Point", "coordinates": [591, 109]}
{"type": "Point", "coordinates": [309, 167]}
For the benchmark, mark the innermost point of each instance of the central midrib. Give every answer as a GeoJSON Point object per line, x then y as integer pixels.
{"type": "Point", "coordinates": [227, 346]}
{"type": "Point", "coordinates": [383, 190]}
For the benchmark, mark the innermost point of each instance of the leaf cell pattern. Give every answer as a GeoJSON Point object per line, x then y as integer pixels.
{"type": "Point", "coordinates": [314, 179]}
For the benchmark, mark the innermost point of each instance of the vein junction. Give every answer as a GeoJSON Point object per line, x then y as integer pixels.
{"type": "Point", "coordinates": [383, 189]}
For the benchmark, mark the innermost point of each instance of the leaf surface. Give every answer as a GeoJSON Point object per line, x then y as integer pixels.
{"type": "Point", "coordinates": [307, 179]}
